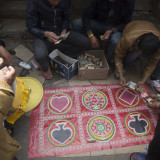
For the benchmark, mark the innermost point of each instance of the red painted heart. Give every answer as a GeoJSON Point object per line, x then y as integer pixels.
{"type": "Point", "coordinates": [59, 103]}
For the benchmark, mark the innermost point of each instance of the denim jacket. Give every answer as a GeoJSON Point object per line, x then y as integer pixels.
{"type": "Point", "coordinates": [42, 16]}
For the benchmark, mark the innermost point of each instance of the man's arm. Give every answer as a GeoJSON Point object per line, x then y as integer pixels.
{"type": "Point", "coordinates": [153, 101]}
{"type": "Point", "coordinates": [120, 53]}
{"type": "Point", "coordinates": [8, 146]}
{"type": "Point", "coordinates": [65, 14]}
{"type": "Point", "coordinates": [127, 18]}
{"type": "Point", "coordinates": [87, 15]}
{"type": "Point", "coordinates": [6, 97]}
{"type": "Point", "coordinates": [5, 54]}
{"type": "Point", "coordinates": [32, 20]}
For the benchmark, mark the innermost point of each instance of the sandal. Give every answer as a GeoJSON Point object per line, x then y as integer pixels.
{"type": "Point", "coordinates": [48, 74]}
{"type": "Point", "coordinates": [139, 156]}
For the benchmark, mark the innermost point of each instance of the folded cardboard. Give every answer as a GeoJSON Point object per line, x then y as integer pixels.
{"type": "Point", "coordinates": [98, 73]}
{"type": "Point", "coordinates": [61, 69]}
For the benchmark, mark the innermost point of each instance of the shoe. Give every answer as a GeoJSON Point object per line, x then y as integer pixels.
{"type": "Point", "coordinates": [139, 156]}
{"type": "Point", "coordinates": [48, 74]}
{"type": "Point", "coordinates": [155, 85]}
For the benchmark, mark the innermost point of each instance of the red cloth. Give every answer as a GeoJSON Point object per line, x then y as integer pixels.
{"type": "Point", "coordinates": [68, 118]}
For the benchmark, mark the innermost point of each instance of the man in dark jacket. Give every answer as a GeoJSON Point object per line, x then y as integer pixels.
{"type": "Point", "coordinates": [105, 18]}
{"type": "Point", "coordinates": [46, 21]}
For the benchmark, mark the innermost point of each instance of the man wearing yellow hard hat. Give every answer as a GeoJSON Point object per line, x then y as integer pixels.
{"type": "Point", "coordinates": [17, 96]}
{"type": "Point", "coordinates": [8, 146]}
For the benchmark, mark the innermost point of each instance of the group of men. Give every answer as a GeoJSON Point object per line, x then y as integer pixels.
{"type": "Point", "coordinates": [48, 21]}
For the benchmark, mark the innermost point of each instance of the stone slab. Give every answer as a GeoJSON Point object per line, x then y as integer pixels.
{"type": "Point", "coordinates": [23, 53]}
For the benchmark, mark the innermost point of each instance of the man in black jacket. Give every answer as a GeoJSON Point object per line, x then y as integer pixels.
{"type": "Point", "coordinates": [46, 21]}
{"type": "Point", "coordinates": [105, 18]}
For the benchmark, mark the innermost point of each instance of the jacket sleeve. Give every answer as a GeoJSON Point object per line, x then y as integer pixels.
{"type": "Point", "coordinates": [127, 18]}
{"type": "Point", "coordinates": [5, 89]}
{"type": "Point", "coordinates": [32, 20]}
{"type": "Point", "coordinates": [65, 24]}
{"type": "Point", "coordinates": [151, 66]}
{"type": "Point", "coordinates": [2, 43]}
{"type": "Point", "coordinates": [8, 146]}
{"type": "Point", "coordinates": [120, 53]}
{"type": "Point", "coordinates": [88, 14]}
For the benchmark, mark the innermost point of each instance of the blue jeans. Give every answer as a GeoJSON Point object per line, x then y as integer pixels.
{"type": "Point", "coordinates": [131, 56]}
{"type": "Point", "coordinates": [99, 28]}
{"type": "Point", "coordinates": [77, 42]}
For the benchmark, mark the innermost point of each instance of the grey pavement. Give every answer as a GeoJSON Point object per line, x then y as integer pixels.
{"type": "Point", "coordinates": [21, 135]}
{"type": "Point", "coordinates": [15, 37]}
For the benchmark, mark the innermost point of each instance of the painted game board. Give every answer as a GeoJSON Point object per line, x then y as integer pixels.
{"type": "Point", "coordinates": [67, 118]}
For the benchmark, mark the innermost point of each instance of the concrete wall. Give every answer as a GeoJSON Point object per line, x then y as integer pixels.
{"type": "Point", "coordinates": [16, 8]}
{"type": "Point", "coordinates": [78, 6]}
{"type": "Point", "coordinates": [156, 8]}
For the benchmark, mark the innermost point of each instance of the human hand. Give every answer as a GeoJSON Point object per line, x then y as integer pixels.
{"type": "Point", "coordinates": [63, 34]}
{"type": "Point", "coordinates": [106, 35]}
{"type": "Point", "coordinates": [152, 96]}
{"type": "Point", "coordinates": [7, 74]}
{"type": "Point", "coordinates": [94, 42]}
{"type": "Point", "coordinates": [154, 104]}
{"type": "Point", "coordinates": [6, 56]}
{"type": "Point", "coordinates": [123, 82]}
{"type": "Point", "coordinates": [140, 83]}
{"type": "Point", "coordinates": [52, 37]}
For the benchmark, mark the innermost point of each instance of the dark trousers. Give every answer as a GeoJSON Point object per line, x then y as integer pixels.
{"type": "Point", "coordinates": [131, 57]}
{"type": "Point", "coordinates": [154, 146]}
{"type": "Point", "coordinates": [99, 28]}
{"type": "Point", "coordinates": [77, 42]}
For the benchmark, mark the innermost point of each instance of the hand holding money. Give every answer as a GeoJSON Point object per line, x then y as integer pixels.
{"type": "Point", "coordinates": [7, 74]}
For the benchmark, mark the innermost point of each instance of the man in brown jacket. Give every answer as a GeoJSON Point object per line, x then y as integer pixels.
{"type": "Point", "coordinates": [139, 38]}
{"type": "Point", "coordinates": [8, 146]}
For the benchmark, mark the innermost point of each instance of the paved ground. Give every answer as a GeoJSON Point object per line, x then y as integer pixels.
{"type": "Point", "coordinates": [22, 125]}
{"type": "Point", "coordinates": [14, 36]}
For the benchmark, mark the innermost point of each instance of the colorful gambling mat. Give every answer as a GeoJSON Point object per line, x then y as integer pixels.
{"type": "Point", "coordinates": [67, 118]}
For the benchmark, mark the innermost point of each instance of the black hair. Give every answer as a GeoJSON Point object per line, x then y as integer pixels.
{"type": "Point", "coordinates": [148, 44]}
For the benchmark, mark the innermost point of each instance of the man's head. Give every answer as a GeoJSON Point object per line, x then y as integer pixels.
{"type": "Point", "coordinates": [54, 2]}
{"type": "Point", "coordinates": [148, 44]}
